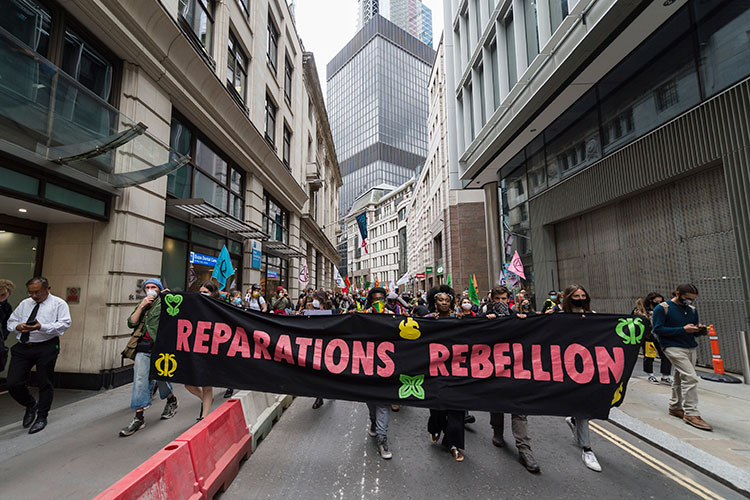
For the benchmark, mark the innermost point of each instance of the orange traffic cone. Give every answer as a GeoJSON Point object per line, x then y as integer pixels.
{"type": "Point", "coordinates": [718, 375]}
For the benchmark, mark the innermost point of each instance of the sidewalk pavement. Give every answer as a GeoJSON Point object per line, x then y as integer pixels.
{"type": "Point", "coordinates": [723, 453]}
{"type": "Point", "coordinates": [79, 454]}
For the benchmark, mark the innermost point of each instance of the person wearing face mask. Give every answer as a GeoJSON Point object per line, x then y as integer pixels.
{"type": "Point", "coordinates": [466, 308]}
{"type": "Point", "coordinates": [6, 288]}
{"type": "Point", "coordinates": [676, 325]}
{"type": "Point", "coordinates": [552, 303]}
{"type": "Point", "coordinates": [577, 300]}
{"type": "Point", "coordinates": [236, 298]}
{"type": "Point", "coordinates": [394, 305]}
{"type": "Point", "coordinates": [281, 302]}
{"type": "Point", "coordinates": [645, 307]}
{"type": "Point", "coordinates": [145, 319]}
{"type": "Point", "coordinates": [257, 302]}
{"type": "Point", "coordinates": [319, 302]}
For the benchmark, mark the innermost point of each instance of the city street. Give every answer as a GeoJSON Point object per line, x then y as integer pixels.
{"type": "Point", "coordinates": [327, 453]}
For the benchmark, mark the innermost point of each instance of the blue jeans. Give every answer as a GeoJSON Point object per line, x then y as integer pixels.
{"type": "Point", "coordinates": [142, 386]}
{"type": "Point", "coordinates": [379, 414]}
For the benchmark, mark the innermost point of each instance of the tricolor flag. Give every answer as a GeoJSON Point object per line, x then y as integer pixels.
{"type": "Point", "coordinates": [362, 224]}
{"type": "Point", "coordinates": [473, 290]}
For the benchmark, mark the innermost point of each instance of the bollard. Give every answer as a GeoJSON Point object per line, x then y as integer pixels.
{"type": "Point", "coordinates": [745, 356]}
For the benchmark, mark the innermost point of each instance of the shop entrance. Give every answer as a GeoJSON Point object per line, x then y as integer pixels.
{"type": "Point", "coordinates": [20, 259]}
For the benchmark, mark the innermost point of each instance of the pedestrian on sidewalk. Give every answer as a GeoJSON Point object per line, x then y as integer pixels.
{"type": "Point", "coordinates": [651, 346]}
{"type": "Point", "coordinates": [145, 321]}
{"type": "Point", "coordinates": [577, 300]}
{"type": "Point", "coordinates": [6, 288]}
{"type": "Point", "coordinates": [498, 308]}
{"type": "Point", "coordinates": [320, 302]}
{"type": "Point", "coordinates": [676, 325]}
{"type": "Point", "coordinates": [441, 301]}
{"type": "Point", "coordinates": [38, 321]}
{"type": "Point", "coordinates": [379, 414]}
{"type": "Point", "coordinates": [206, 393]}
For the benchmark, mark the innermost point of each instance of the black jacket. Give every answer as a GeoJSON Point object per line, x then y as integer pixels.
{"type": "Point", "coordinates": [5, 311]}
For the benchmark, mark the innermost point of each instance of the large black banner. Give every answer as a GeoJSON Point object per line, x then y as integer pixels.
{"type": "Point", "coordinates": [561, 364]}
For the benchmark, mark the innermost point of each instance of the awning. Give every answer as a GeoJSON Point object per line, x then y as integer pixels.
{"type": "Point", "coordinates": [282, 248]}
{"type": "Point", "coordinates": [49, 119]}
{"type": "Point", "coordinates": [200, 209]}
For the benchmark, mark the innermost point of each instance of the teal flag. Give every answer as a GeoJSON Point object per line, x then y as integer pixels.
{"type": "Point", "coordinates": [223, 268]}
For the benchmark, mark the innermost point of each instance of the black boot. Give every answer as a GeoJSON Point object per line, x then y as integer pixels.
{"type": "Point", "coordinates": [497, 437]}
{"type": "Point", "coordinates": [29, 416]}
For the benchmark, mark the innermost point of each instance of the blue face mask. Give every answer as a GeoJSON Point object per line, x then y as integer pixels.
{"type": "Point", "coordinates": [237, 301]}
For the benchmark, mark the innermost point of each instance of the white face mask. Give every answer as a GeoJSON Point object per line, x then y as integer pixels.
{"type": "Point", "coordinates": [466, 306]}
{"type": "Point", "coordinates": [152, 293]}
{"type": "Point", "coordinates": [316, 303]}
{"type": "Point", "coordinates": [205, 293]}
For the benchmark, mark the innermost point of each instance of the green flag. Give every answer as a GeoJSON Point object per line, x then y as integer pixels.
{"type": "Point", "coordinates": [448, 281]}
{"type": "Point", "coordinates": [473, 292]}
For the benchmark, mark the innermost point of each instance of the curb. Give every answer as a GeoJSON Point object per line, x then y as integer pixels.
{"type": "Point", "coordinates": [727, 474]}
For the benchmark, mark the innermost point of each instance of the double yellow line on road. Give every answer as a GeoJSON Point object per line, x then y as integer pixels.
{"type": "Point", "coordinates": [652, 462]}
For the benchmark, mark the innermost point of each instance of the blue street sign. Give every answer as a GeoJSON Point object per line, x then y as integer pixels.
{"type": "Point", "coordinates": [255, 264]}
{"type": "Point", "coordinates": [202, 259]}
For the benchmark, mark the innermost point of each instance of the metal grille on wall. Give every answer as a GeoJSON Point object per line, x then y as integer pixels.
{"type": "Point", "coordinates": [653, 241]}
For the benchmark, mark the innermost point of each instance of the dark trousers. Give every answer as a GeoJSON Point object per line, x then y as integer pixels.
{"type": "Point", "coordinates": [23, 357]}
{"type": "Point", "coordinates": [519, 424]}
{"type": "Point", "coordinates": [449, 422]}
{"type": "Point", "coordinates": [648, 363]}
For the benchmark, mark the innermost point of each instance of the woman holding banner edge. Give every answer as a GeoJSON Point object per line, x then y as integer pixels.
{"type": "Point", "coordinates": [442, 302]}
{"type": "Point", "coordinates": [577, 300]}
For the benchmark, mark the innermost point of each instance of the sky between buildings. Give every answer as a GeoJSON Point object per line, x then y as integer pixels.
{"type": "Point", "coordinates": [325, 26]}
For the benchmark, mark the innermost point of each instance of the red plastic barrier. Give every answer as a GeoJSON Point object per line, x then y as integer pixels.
{"type": "Point", "coordinates": [168, 475]}
{"type": "Point", "coordinates": [217, 445]}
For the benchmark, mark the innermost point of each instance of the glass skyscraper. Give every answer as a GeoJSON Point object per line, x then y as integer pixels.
{"type": "Point", "coordinates": [378, 104]}
{"type": "Point", "coordinates": [411, 16]}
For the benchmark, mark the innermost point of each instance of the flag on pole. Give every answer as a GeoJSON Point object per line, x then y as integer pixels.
{"type": "Point", "coordinates": [362, 224]}
{"type": "Point", "coordinates": [348, 284]}
{"type": "Point", "coordinates": [403, 280]}
{"type": "Point", "coordinates": [508, 243]}
{"type": "Point", "coordinates": [394, 286]}
{"type": "Point", "coordinates": [501, 278]}
{"type": "Point", "coordinates": [304, 275]}
{"type": "Point", "coordinates": [223, 268]}
{"type": "Point", "coordinates": [473, 291]}
{"type": "Point", "coordinates": [338, 279]}
{"type": "Point", "coordinates": [516, 266]}
{"type": "Point", "coordinates": [448, 281]}
{"type": "Point", "coordinates": [377, 282]}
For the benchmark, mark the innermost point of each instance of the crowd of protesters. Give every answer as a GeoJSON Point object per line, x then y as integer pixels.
{"type": "Point", "coordinates": [675, 327]}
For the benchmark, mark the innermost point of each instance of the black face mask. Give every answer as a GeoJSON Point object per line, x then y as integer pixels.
{"type": "Point", "coordinates": [578, 302]}
{"type": "Point", "coordinates": [391, 305]}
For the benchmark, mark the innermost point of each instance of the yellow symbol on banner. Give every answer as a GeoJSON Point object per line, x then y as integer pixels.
{"type": "Point", "coordinates": [618, 396]}
{"type": "Point", "coordinates": [171, 365]}
{"type": "Point", "coordinates": [409, 329]}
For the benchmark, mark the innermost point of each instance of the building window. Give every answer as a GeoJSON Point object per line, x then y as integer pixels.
{"type": "Point", "coordinates": [236, 68]}
{"type": "Point", "coordinates": [532, 30]}
{"type": "Point", "coordinates": [558, 10]}
{"type": "Point", "coordinates": [273, 43]}
{"type": "Point", "coordinates": [288, 69]}
{"type": "Point", "coordinates": [271, 121]}
{"type": "Point", "coordinates": [510, 45]}
{"type": "Point", "coordinates": [276, 220]}
{"type": "Point", "coordinates": [245, 6]}
{"type": "Point", "coordinates": [666, 95]}
{"type": "Point", "coordinates": [287, 149]}
{"type": "Point", "coordinates": [198, 14]}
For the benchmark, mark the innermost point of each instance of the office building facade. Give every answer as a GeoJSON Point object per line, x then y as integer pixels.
{"type": "Point", "coordinates": [378, 106]}
{"type": "Point", "coordinates": [141, 137]}
{"type": "Point", "coordinates": [616, 136]}
{"type": "Point", "coordinates": [412, 16]}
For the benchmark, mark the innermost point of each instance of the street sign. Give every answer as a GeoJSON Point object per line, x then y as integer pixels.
{"type": "Point", "coordinates": [440, 270]}
{"type": "Point", "coordinates": [428, 269]}
{"type": "Point", "coordinates": [419, 276]}
{"type": "Point", "coordinates": [203, 259]}
{"type": "Point", "coordinates": [256, 249]}
{"type": "Point", "coordinates": [272, 274]}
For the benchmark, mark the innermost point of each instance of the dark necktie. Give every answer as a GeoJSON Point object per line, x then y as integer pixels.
{"type": "Point", "coordinates": [32, 319]}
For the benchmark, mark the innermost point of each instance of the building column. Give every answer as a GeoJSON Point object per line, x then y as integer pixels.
{"type": "Point", "coordinates": [502, 58]}
{"type": "Point", "coordinates": [492, 227]}
{"type": "Point", "coordinates": [519, 32]}
{"type": "Point", "coordinates": [489, 91]}
{"type": "Point", "coordinates": [466, 104]}
{"type": "Point", "coordinates": [476, 100]}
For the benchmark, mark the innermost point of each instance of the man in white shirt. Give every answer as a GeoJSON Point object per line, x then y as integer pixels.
{"type": "Point", "coordinates": [38, 322]}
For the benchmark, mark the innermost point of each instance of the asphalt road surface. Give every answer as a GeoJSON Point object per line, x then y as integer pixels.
{"type": "Point", "coordinates": [327, 454]}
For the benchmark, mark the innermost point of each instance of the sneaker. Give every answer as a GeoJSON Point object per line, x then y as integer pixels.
{"type": "Point", "coordinates": [457, 455]}
{"type": "Point", "coordinates": [317, 404]}
{"type": "Point", "coordinates": [667, 380]}
{"type": "Point", "coordinates": [528, 461]}
{"type": "Point", "coordinates": [385, 453]}
{"type": "Point", "coordinates": [653, 380]}
{"type": "Point", "coordinates": [590, 460]}
{"type": "Point", "coordinates": [572, 425]}
{"type": "Point", "coordinates": [371, 429]}
{"type": "Point", "coordinates": [228, 393]}
{"type": "Point", "coordinates": [136, 424]}
{"type": "Point", "coordinates": [170, 409]}
{"type": "Point", "coordinates": [469, 418]}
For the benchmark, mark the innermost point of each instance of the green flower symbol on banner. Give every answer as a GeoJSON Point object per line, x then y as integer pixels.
{"type": "Point", "coordinates": [173, 304]}
{"type": "Point", "coordinates": [634, 333]}
{"type": "Point", "coordinates": [411, 386]}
